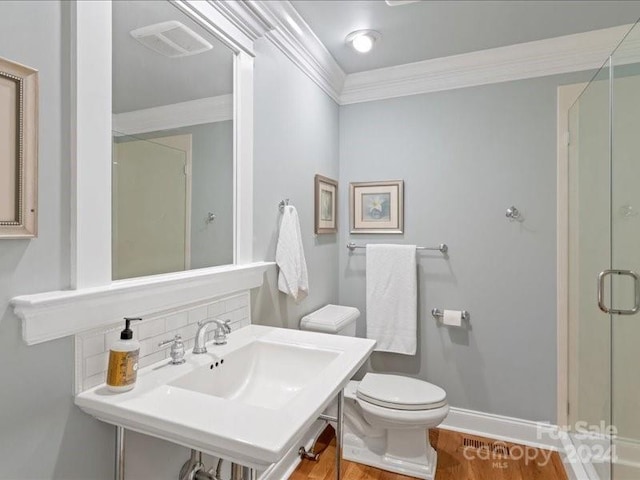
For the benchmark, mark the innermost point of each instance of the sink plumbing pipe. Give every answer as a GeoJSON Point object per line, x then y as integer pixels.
{"type": "Point", "coordinates": [311, 454]}
{"type": "Point", "coordinates": [191, 466]}
{"type": "Point", "coordinates": [239, 472]}
{"type": "Point", "coordinates": [193, 469]}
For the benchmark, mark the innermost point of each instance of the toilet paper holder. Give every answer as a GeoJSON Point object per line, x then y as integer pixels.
{"type": "Point", "coordinates": [437, 313]}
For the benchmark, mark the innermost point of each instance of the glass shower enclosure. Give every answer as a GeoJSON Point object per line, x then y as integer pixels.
{"type": "Point", "coordinates": [604, 264]}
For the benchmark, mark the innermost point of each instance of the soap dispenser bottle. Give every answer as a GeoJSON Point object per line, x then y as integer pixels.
{"type": "Point", "coordinates": [123, 360]}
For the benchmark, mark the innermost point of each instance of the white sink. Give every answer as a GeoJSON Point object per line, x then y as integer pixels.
{"type": "Point", "coordinates": [264, 374]}
{"type": "Point", "coordinates": [249, 401]}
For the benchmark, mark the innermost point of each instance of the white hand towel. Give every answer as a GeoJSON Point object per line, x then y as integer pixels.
{"type": "Point", "coordinates": [392, 297]}
{"type": "Point", "coordinates": [292, 279]}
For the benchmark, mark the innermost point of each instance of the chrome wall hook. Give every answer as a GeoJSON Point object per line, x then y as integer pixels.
{"type": "Point", "coordinates": [282, 204]}
{"type": "Point", "coordinates": [514, 214]}
{"type": "Point", "coordinates": [628, 211]}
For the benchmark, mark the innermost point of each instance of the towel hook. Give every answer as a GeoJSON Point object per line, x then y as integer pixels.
{"type": "Point", "coordinates": [282, 204]}
{"type": "Point", "coordinates": [513, 213]}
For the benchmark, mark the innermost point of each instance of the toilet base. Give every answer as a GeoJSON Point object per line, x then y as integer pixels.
{"type": "Point", "coordinates": [401, 451]}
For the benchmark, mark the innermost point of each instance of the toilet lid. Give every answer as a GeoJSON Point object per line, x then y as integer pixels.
{"type": "Point", "coordinates": [401, 393]}
{"type": "Point", "coordinates": [329, 319]}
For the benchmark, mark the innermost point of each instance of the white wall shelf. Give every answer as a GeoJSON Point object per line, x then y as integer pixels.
{"type": "Point", "coordinates": [51, 315]}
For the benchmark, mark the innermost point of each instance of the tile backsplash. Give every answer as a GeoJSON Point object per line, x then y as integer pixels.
{"type": "Point", "coordinates": [92, 347]}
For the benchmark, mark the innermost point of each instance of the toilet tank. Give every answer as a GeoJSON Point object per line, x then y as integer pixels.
{"type": "Point", "coordinates": [335, 319]}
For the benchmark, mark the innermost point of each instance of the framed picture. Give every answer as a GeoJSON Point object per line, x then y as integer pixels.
{"type": "Point", "coordinates": [326, 201]}
{"type": "Point", "coordinates": [377, 207]}
{"type": "Point", "coordinates": [18, 150]}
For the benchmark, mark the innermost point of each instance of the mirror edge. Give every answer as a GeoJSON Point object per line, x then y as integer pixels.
{"type": "Point", "coordinates": [91, 52]}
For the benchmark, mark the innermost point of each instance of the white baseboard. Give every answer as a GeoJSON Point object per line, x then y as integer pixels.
{"type": "Point", "coordinates": [547, 436]}
{"type": "Point", "coordinates": [509, 429]}
{"type": "Point", "coordinates": [523, 432]}
{"type": "Point", "coordinates": [627, 452]}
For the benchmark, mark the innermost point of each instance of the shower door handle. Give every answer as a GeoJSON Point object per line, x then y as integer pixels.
{"type": "Point", "coordinates": [636, 285]}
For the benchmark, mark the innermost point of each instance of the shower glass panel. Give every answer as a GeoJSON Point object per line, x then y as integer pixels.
{"type": "Point", "coordinates": [625, 254]}
{"type": "Point", "coordinates": [589, 254]}
{"type": "Point", "coordinates": [604, 242]}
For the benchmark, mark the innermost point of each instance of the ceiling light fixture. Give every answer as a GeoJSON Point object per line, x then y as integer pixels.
{"type": "Point", "coordinates": [362, 40]}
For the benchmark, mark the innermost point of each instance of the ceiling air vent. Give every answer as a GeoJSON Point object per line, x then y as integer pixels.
{"type": "Point", "coordinates": [171, 39]}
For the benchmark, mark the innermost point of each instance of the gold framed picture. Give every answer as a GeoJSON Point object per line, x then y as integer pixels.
{"type": "Point", "coordinates": [377, 207]}
{"type": "Point", "coordinates": [18, 150]}
{"type": "Point", "coordinates": [326, 202]}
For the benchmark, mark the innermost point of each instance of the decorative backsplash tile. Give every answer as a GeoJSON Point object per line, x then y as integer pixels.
{"type": "Point", "coordinates": [92, 347]}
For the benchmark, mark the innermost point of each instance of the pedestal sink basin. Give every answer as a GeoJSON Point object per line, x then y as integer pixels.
{"type": "Point", "coordinates": [263, 374]}
{"type": "Point", "coordinates": [249, 401]}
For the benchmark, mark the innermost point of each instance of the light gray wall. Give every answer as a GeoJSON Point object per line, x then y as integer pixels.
{"type": "Point", "coordinates": [212, 191]}
{"type": "Point", "coordinates": [42, 434]}
{"type": "Point", "coordinates": [296, 136]}
{"type": "Point", "coordinates": [465, 156]}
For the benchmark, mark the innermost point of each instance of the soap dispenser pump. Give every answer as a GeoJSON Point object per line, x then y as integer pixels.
{"type": "Point", "coordinates": [123, 360]}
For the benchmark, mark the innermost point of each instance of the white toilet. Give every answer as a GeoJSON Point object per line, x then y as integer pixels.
{"type": "Point", "coordinates": [386, 416]}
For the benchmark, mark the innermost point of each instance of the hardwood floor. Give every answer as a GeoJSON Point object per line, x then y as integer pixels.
{"type": "Point", "coordinates": [460, 457]}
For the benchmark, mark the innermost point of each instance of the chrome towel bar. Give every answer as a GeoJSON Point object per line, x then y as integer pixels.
{"type": "Point", "coordinates": [442, 248]}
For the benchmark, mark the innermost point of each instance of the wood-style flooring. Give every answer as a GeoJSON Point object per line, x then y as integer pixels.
{"type": "Point", "coordinates": [480, 459]}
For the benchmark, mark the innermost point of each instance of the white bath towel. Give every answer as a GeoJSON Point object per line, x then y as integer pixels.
{"type": "Point", "coordinates": [292, 279]}
{"type": "Point", "coordinates": [392, 297]}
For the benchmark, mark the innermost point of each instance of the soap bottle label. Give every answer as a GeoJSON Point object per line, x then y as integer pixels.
{"type": "Point", "coordinates": [123, 368]}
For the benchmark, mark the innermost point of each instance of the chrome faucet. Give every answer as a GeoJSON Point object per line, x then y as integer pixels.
{"type": "Point", "coordinates": [219, 338]}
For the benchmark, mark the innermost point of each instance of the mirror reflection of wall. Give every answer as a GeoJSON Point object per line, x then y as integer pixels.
{"type": "Point", "coordinates": [172, 193]}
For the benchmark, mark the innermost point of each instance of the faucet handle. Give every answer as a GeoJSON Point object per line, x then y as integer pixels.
{"type": "Point", "coordinates": [177, 350]}
{"type": "Point", "coordinates": [223, 328]}
{"type": "Point", "coordinates": [226, 326]}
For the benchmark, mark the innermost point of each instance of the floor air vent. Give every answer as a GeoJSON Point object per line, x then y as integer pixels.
{"type": "Point", "coordinates": [497, 448]}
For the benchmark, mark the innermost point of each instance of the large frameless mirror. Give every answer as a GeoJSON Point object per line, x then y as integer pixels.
{"type": "Point", "coordinates": [172, 175]}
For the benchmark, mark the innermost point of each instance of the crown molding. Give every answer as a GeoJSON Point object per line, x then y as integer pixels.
{"type": "Point", "coordinates": [293, 36]}
{"type": "Point", "coordinates": [230, 21]}
{"type": "Point", "coordinates": [176, 115]}
{"type": "Point", "coordinates": [279, 22]}
{"type": "Point", "coordinates": [242, 17]}
{"type": "Point", "coordinates": [570, 53]}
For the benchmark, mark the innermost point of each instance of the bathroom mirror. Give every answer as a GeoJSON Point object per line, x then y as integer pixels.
{"type": "Point", "coordinates": [172, 170]}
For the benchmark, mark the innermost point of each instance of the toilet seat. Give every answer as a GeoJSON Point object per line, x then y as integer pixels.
{"type": "Point", "coordinates": [394, 418]}
{"type": "Point", "coordinates": [400, 393]}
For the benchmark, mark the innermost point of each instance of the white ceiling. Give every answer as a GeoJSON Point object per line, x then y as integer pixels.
{"type": "Point", "coordinates": [434, 29]}
{"type": "Point", "coordinates": [143, 78]}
